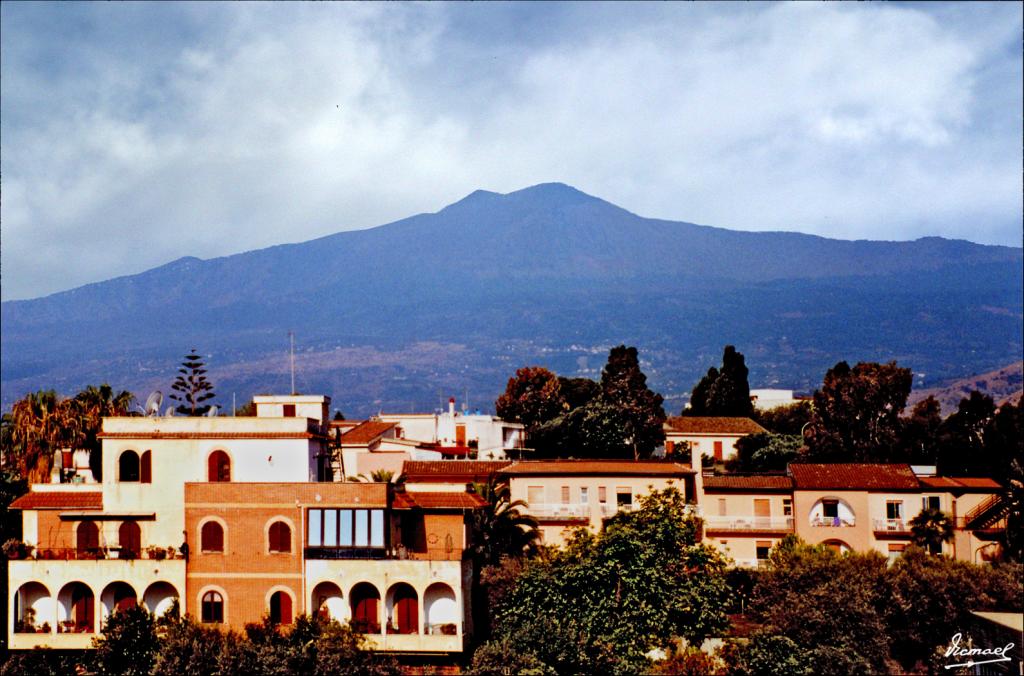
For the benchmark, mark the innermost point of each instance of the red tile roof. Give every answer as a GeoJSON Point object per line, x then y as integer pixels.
{"type": "Point", "coordinates": [714, 425]}
{"type": "Point", "coordinates": [451, 471]}
{"type": "Point", "coordinates": [365, 433]}
{"type": "Point", "coordinates": [854, 477]}
{"type": "Point", "coordinates": [598, 468]}
{"type": "Point", "coordinates": [960, 483]}
{"type": "Point", "coordinates": [432, 500]}
{"type": "Point", "coordinates": [59, 500]}
{"type": "Point", "coordinates": [209, 435]}
{"type": "Point", "coordinates": [752, 483]}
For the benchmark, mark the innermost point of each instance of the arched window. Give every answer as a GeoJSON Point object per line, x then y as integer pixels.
{"type": "Point", "coordinates": [213, 608]}
{"type": "Point", "coordinates": [146, 468]}
{"type": "Point", "coordinates": [88, 537]}
{"type": "Point", "coordinates": [219, 467]}
{"type": "Point", "coordinates": [211, 538]}
{"type": "Point", "coordinates": [128, 466]}
{"type": "Point", "coordinates": [280, 537]}
{"type": "Point", "coordinates": [129, 537]}
{"type": "Point", "coordinates": [280, 608]}
{"type": "Point", "coordinates": [365, 602]}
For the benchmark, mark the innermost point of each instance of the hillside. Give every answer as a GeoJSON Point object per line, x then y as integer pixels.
{"type": "Point", "coordinates": [456, 300]}
{"type": "Point", "coordinates": [1005, 384]}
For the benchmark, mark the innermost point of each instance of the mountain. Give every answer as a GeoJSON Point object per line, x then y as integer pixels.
{"type": "Point", "coordinates": [453, 302]}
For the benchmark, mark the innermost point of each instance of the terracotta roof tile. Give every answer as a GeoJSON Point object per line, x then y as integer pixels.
{"type": "Point", "coordinates": [366, 432]}
{"type": "Point", "coordinates": [960, 483]}
{"type": "Point", "coordinates": [59, 500]}
{"type": "Point", "coordinates": [854, 477]}
{"type": "Point", "coordinates": [761, 482]}
{"type": "Point", "coordinates": [714, 425]}
{"type": "Point", "coordinates": [432, 500]}
{"type": "Point", "coordinates": [598, 468]}
{"type": "Point", "coordinates": [451, 471]}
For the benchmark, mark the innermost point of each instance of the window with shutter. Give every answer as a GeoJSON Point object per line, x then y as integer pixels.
{"type": "Point", "coordinates": [211, 539]}
{"type": "Point", "coordinates": [280, 538]}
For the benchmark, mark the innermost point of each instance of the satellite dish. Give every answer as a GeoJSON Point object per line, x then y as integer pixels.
{"type": "Point", "coordinates": [212, 413]}
{"type": "Point", "coordinates": [153, 403]}
{"type": "Point", "coordinates": [169, 411]}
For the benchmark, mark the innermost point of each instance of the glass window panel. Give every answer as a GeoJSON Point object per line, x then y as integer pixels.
{"type": "Point", "coordinates": [377, 528]}
{"type": "Point", "coordinates": [314, 528]}
{"type": "Point", "coordinates": [362, 528]}
{"type": "Point", "coordinates": [345, 516]}
{"type": "Point", "coordinates": [330, 528]}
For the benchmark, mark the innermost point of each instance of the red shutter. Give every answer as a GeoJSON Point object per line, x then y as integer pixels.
{"type": "Point", "coordinates": [718, 451]}
{"type": "Point", "coordinates": [280, 537]}
{"type": "Point", "coordinates": [88, 536]}
{"type": "Point", "coordinates": [212, 537]}
{"type": "Point", "coordinates": [146, 468]}
{"type": "Point", "coordinates": [129, 537]}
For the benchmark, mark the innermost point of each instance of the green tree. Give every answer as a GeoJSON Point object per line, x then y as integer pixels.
{"type": "Point", "coordinates": [624, 388]}
{"type": "Point", "coordinates": [532, 398]}
{"type": "Point", "coordinates": [602, 603]}
{"type": "Point", "coordinates": [724, 391]}
{"type": "Point", "coordinates": [41, 423]}
{"type": "Point", "coordinates": [128, 643]}
{"type": "Point", "coordinates": [919, 436]}
{"type": "Point", "coordinates": [789, 419]}
{"type": "Point", "coordinates": [186, 647]}
{"type": "Point", "coordinates": [191, 387]}
{"type": "Point", "coordinates": [930, 529]}
{"type": "Point", "coordinates": [856, 416]}
{"type": "Point", "coordinates": [764, 453]}
{"type": "Point", "coordinates": [815, 597]}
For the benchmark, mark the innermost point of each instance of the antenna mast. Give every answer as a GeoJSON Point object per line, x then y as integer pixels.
{"type": "Point", "coordinates": [291, 338]}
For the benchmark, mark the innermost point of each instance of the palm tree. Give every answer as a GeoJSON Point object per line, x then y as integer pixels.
{"type": "Point", "coordinates": [41, 423]}
{"type": "Point", "coordinates": [91, 405]}
{"type": "Point", "coordinates": [501, 529]}
{"type": "Point", "coordinates": [930, 529]}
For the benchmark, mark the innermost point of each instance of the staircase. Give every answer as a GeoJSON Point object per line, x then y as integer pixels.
{"type": "Point", "coordinates": [987, 514]}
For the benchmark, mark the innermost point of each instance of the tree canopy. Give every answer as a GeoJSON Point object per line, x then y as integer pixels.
{"type": "Point", "coordinates": [724, 391]}
{"type": "Point", "coordinates": [606, 600]}
{"type": "Point", "coordinates": [856, 415]}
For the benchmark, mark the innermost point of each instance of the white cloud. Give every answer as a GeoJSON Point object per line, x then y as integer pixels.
{"type": "Point", "coordinates": [254, 125]}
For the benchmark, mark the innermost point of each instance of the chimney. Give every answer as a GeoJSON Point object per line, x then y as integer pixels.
{"type": "Point", "coordinates": [451, 406]}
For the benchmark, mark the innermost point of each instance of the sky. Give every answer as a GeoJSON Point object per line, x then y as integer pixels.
{"type": "Point", "coordinates": [134, 134]}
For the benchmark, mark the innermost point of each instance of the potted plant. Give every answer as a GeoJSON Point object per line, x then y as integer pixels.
{"type": "Point", "coordinates": [156, 553]}
{"type": "Point", "coordinates": [17, 549]}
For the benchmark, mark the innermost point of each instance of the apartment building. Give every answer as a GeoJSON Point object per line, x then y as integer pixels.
{"type": "Point", "coordinates": [237, 518]}
{"type": "Point", "coordinates": [849, 506]}
{"type": "Point", "coordinates": [566, 494]}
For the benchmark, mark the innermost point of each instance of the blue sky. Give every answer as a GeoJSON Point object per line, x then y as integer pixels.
{"type": "Point", "coordinates": [133, 134]}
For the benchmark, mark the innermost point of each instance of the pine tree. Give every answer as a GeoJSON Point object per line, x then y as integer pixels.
{"type": "Point", "coordinates": [191, 386]}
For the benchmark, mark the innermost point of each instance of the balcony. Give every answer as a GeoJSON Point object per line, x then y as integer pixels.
{"type": "Point", "coordinates": [101, 553]}
{"type": "Point", "coordinates": [750, 563]}
{"type": "Point", "coordinates": [613, 509]}
{"type": "Point", "coordinates": [890, 526]}
{"type": "Point", "coordinates": [399, 553]}
{"type": "Point", "coordinates": [749, 523]}
{"type": "Point", "coordinates": [432, 643]}
{"type": "Point", "coordinates": [832, 522]}
{"type": "Point", "coordinates": [560, 512]}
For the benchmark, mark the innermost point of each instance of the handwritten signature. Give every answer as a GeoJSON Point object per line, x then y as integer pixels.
{"type": "Point", "coordinates": [994, 654]}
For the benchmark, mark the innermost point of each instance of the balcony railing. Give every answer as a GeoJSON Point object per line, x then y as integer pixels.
{"type": "Point", "coordinates": [378, 553]}
{"type": "Point", "coordinates": [749, 523]}
{"type": "Point", "coordinates": [101, 553]}
{"type": "Point", "coordinates": [560, 511]}
{"type": "Point", "coordinates": [891, 525]}
{"type": "Point", "coordinates": [750, 563]}
{"type": "Point", "coordinates": [832, 522]}
{"type": "Point", "coordinates": [610, 509]}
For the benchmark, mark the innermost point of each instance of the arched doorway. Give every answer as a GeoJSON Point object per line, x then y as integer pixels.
{"type": "Point", "coordinates": [118, 596]}
{"type": "Point", "coordinates": [218, 467]}
{"type": "Point", "coordinates": [159, 597]}
{"type": "Point", "coordinates": [403, 609]}
{"type": "Point", "coordinates": [33, 609]}
{"type": "Point", "coordinates": [76, 606]}
{"type": "Point", "coordinates": [87, 540]}
{"type": "Point", "coordinates": [441, 609]}
{"type": "Point", "coordinates": [327, 602]}
{"type": "Point", "coordinates": [365, 602]}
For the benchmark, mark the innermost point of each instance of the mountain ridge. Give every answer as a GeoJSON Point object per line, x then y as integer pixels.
{"type": "Point", "coordinates": [542, 268]}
